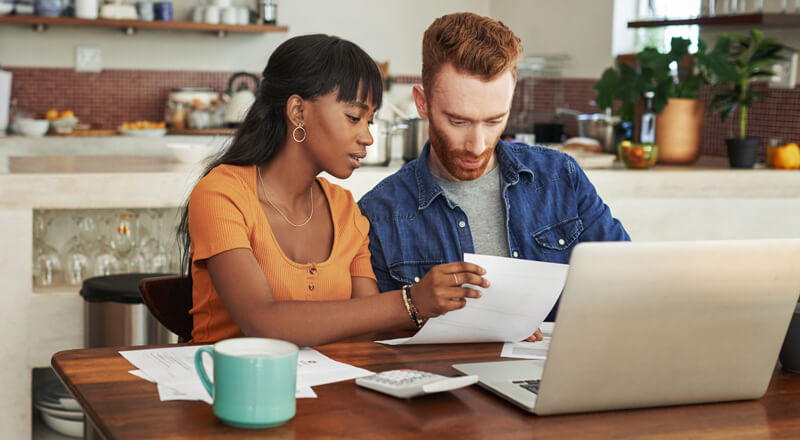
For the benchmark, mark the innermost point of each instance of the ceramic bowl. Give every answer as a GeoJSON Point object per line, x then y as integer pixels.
{"type": "Point", "coordinates": [72, 428]}
{"type": "Point", "coordinates": [64, 125]}
{"type": "Point", "coordinates": [32, 127]}
{"type": "Point", "coordinates": [189, 153]}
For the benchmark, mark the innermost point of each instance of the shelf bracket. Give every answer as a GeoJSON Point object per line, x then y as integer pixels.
{"type": "Point", "coordinates": [130, 30]}
{"type": "Point", "coordinates": [40, 27]}
{"type": "Point", "coordinates": [222, 34]}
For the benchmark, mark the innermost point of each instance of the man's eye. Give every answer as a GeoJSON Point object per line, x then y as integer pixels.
{"type": "Point", "coordinates": [456, 122]}
{"type": "Point", "coordinates": [495, 122]}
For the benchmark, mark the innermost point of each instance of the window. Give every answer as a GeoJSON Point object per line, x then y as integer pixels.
{"type": "Point", "coordinates": [664, 9]}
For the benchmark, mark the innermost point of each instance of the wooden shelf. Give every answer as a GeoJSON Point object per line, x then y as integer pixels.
{"type": "Point", "coordinates": [764, 20]}
{"type": "Point", "coordinates": [41, 23]}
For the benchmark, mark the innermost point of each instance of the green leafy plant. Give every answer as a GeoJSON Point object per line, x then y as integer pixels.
{"type": "Point", "coordinates": [745, 58]}
{"type": "Point", "coordinates": [626, 84]}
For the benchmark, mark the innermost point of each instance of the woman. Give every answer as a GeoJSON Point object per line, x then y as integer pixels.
{"type": "Point", "coordinates": [274, 250]}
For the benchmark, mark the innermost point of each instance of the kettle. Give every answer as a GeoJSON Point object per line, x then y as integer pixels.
{"type": "Point", "coordinates": [241, 100]}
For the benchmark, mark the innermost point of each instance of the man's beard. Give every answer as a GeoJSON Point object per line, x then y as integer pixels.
{"type": "Point", "coordinates": [449, 158]}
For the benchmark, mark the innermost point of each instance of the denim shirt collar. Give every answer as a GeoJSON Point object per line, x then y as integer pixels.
{"type": "Point", "coordinates": [428, 188]}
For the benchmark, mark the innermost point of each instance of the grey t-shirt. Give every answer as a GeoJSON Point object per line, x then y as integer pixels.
{"type": "Point", "coordinates": [482, 201]}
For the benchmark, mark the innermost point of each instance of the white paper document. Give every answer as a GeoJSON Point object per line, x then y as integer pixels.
{"type": "Point", "coordinates": [521, 294]}
{"type": "Point", "coordinates": [172, 369]}
{"type": "Point", "coordinates": [530, 350]}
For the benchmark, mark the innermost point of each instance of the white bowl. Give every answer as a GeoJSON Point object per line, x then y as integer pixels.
{"type": "Point", "coordinates": [144, 132]}
{"type": "Point", "coordinates": [189, 153]}
{"type": "Point", "coordinates": [6, 8]}
{"type": "Point", "coordinates": [32, 127]}
{"type": "Point", "coordinates": [64, 125]}
{"type": "Point", "coordinates": [72, 428]}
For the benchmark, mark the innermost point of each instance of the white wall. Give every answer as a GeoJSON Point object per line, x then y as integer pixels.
{"type": "Point", "coordinates": [387, 30]}
{"type": "Point", "coordinates": [580, 28]}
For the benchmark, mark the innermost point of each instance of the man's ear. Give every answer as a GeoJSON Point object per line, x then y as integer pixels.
{"type": "Point", "coordinates": [295, 110]}
{"type": "Point", "coordinates": [420, 100]}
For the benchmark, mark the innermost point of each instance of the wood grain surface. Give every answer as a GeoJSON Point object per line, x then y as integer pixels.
{"type": "Point", "coordinates": [122, 406]}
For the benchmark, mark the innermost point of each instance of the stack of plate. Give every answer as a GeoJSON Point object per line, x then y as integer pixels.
{"type": "Point", "coordinates": [60, 411]}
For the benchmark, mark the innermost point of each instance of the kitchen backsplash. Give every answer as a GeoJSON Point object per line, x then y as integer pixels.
{"type": "Point", "coordinates": [107, 98]}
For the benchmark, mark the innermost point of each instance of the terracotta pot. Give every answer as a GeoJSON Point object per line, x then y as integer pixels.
{"type": "Point", "coordinates": [679, 131]}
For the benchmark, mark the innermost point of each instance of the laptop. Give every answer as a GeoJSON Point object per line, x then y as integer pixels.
{"type": "Point", "coordinates": [658, 324]}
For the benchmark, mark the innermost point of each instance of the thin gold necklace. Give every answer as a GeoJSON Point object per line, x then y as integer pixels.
{"type": "Point", "coordinates": [310, 196]}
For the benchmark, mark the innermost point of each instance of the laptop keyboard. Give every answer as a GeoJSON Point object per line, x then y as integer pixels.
{"type": "Point", "coordinates": [530, 385]}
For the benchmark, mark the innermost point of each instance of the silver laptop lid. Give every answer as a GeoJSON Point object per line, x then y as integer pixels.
{"type": "Point", "coordinates": [652, 324]}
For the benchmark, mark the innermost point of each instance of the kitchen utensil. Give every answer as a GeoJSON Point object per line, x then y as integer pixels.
{"type": "Point", "coordinates": [416, 134]}
{"type": "Point", "coordinates": [240, 100]}
{"type": "Point", "coordinates": [211, 14]}
{"type": "Point", "coordinates": [145, 10]}
{"type": "Point", "coordinates": [379, 153]}
{"type": "Point", "coordinates": [600, 126]}
{"type": "Point", "coordinates": [163, 11]}
{"type": "Point", "coordinates": [87, 9]}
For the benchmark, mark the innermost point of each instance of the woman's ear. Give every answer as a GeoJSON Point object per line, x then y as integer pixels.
{"type": "Point", "coordinates": [295, 107]}
{"type": "Point", "coordinates": [420, 100]}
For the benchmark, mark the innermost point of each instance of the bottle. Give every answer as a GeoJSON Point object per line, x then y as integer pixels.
{"type": "Point", "coordinates": [647, 132]}
{"type": "Point", "coordinates": [268, 11]}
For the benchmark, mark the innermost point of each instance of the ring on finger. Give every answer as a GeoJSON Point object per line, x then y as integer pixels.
{"type": "Point", "coordinates": [456, 278]}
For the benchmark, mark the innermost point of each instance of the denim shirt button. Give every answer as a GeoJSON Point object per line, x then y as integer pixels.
{"type": "Point", "coordinates": [561, 242]}
{"type": "Point", "coordinates": [515, 254]}
{"type": "Point", "coordinates": [416, 279]}
{"type": "Point", "coordinates": [462, 224]}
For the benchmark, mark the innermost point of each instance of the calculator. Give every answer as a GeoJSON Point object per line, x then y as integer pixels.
{"type": "Point", "coordinates": [406, 384]}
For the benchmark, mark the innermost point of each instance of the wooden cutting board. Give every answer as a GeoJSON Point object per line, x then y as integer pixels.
{"type": "Point", "coordinates": [87, 132]}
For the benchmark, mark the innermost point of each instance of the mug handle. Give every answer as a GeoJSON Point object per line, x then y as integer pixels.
{"type": "Point", "coordinates": [201, 371]}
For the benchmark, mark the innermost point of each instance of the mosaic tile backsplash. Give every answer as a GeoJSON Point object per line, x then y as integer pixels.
{"type": "Point", "coordinates": [107, 98]}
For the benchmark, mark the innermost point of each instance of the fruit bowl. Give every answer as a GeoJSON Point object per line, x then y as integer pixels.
{"type": "Point", "coordinates": [64, 125]}
{"type": "Point", "coordinates": [638, 156]}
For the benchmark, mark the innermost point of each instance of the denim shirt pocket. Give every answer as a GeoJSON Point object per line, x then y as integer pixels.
{"type": "Point", "coordinates": [559, 236]}
{"type": "Point", "coordinates": [410, 272]}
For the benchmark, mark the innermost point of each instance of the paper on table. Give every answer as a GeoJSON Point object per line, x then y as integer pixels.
{"type": "Point", "coordinates": [172, 369]}
{"type": "Point", "coordinates": [530, 350]}
{"type": "Point", "coordinates": [521, 294]}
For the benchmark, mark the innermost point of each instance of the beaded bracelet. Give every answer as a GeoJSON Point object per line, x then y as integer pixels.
{"type": "Point", "coordinates": [410, 307]}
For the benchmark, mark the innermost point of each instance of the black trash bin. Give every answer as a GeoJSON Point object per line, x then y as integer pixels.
{"type": "Point", "coordinates": [116, 315]}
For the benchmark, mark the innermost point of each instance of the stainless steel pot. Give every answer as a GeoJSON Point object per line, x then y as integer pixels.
{"type": "Point", "coordinates": [601, 127]}
{"type": "Point", "coordinates": [415, 136]}
{"type": "Point", "coordinates": [379, 153]}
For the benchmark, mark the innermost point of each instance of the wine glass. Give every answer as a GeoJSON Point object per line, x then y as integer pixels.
{"type": "Point", "coordinates": [123, 237]}
{"type": "Point", "coordinates": [77, 261]}
{"type": "Point", "coordinates": [105, 261]}
{"type": "Point", "coordinates": [47, 269]}
{"type": "Point", "coordinates": [153, 248]}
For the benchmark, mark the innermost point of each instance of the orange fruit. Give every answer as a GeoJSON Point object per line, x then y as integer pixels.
{"type": "Point", "coordinates": [67, 114]}
{"type": "Point", "coordinates": [51, 114]}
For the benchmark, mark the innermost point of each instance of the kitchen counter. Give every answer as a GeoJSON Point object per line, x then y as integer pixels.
{"type": "Point", "coordinates": [705, 201]}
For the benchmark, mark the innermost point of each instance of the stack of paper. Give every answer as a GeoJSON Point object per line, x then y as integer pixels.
{"type": "Point", "coordinates": [172, 369]}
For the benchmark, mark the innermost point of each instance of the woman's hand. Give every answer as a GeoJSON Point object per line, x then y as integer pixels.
{"type": "Point", "coordinates": [440, 291]}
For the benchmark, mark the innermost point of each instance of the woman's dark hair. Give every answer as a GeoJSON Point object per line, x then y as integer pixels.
{"type": "Point", "coordinates": [309, 66]}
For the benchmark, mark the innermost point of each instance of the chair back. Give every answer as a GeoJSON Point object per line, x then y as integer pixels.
{"type": "Point", "coordinates": [169, 299]}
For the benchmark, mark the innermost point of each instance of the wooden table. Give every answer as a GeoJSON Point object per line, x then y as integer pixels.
{"type": "Point", "coordinates": [122, 406]}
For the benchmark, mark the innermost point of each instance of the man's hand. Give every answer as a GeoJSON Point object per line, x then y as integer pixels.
{"type": "Point", "coordinates": [536, 336]}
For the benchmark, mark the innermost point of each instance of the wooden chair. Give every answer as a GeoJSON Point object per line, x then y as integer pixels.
{"type": "Point", "coordinates": [169, 299]}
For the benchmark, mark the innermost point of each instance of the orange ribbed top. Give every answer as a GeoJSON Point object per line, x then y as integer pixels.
{"type": "Point", "coordinates": [224, 214]}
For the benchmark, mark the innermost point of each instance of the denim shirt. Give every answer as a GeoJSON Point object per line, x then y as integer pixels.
{"type": "Point", "coordinates": [550, 207]}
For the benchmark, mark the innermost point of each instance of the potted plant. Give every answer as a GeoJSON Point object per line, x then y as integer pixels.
{"type": "Point", "coordinates": [748, 58]}
{"type": "Point", "coordinates": [680, 120]}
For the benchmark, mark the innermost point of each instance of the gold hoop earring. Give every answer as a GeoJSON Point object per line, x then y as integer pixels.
{"type": "Point", "coordinates": [294, 133]}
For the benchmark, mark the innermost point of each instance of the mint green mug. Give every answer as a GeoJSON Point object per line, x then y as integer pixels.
{"type": "Point", "coordinates": [254, 381]}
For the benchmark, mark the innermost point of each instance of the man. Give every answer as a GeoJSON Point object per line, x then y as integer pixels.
{"type": "Point", "coordinates": [468, 191]}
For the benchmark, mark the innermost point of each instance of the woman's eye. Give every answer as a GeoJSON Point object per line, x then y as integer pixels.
{"type": "Point", "coordinates": [354, 118]}
{"type": "Point", "coordinates": [370, 122]}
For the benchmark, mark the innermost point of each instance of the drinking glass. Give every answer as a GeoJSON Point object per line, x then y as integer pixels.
{"type": "Point", "coordinates": [105, 260]}
{"type": "Point", "coordinates": [47, 269]}
{"type": "Point", "coordinates": [123, 237]}
{"type": "Point", "coordinates": [77, 261]}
